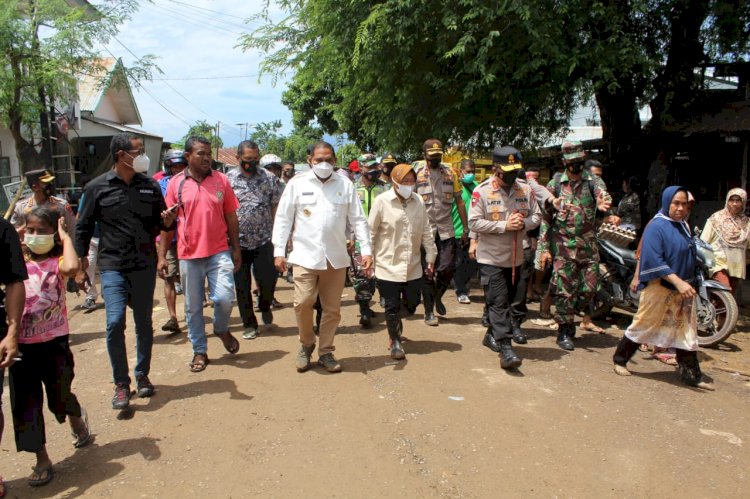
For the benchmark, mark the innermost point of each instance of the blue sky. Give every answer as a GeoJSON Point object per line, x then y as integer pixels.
{"type": "Point", "coordinates": [194, 40]}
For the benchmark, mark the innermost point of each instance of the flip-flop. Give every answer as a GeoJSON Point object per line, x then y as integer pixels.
{"type": "Point", "coordinates": [197, 366]}
{"type": "Point", "coordinates": [234, 345]}
{"type": "Point", "coordinates": [45, 476]}
{"type": "Point", "coordinates": [593, 328]}
{"type": "Point", "coordinates": [665, 357]}
{"type": "Point", "coordinates": [82, 441]}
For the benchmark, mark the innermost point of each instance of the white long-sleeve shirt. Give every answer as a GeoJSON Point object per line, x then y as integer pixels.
{"type": "Point", "coordinates": [319, 212]}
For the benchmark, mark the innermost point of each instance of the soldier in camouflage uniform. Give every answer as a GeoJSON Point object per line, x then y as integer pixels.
{"type": "Point", "coordinates": [568, 239]}
{"type": "Point", "coordinates": [368, 187]}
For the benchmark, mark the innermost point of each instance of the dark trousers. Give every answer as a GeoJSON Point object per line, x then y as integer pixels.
{"type": "Point", "coordinates": [506, 301]}
{"type": "Point", "coordinates": [687, 361]}
{"type": "Point", "coordinates": [435, 285]}
{"type": "Point", "coordinates": [392, 294]}
{"type": "Point", "coordinates": [259, 262]}
{"type": "Point", "coordinates": [466, 268]}
{"type": "Point", "coordinates": [119, 289]}
{"type": "Point", "coordinates": [49, 364]}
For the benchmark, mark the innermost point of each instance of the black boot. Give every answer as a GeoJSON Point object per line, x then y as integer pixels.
{"type": "Point", "coordinates": [429, 304]}
{"type": "Point", "coordinates": [518, 335]}
{"type": "Point", "coordinates": [440, 290]}
{"type": "Point", "coordinates": [508, 358]}
{"type": "Point", "coordinates": [490, 342]}
{"type": "Point", "coordinates": [364, 314]}
{"type": "Point", "coordinates": [394, 325]}
{"type": "Point", "coordinates": [565, 337]}
{"type": "Point", "coordinates": [485, 316]}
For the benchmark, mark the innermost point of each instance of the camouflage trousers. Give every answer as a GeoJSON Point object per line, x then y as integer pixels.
{"type": "Point", "coordinates": [364, 286]}
{"type": "Point", "coordinates": [576, 282]}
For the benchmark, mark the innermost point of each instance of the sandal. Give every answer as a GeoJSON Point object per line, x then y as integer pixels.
{"type": "Point", "coordinates": [665, 357]}
{"type": "Point", "coordinates": [82, 441]}
{"type": "Point", "coordinates": [43, 476]}
{"type": "Point", "coordinates": [233, 346]}
{"type": "Point", "coordinates": [199, 362]}
{"type": "Point", "coordinates": [592, 328]}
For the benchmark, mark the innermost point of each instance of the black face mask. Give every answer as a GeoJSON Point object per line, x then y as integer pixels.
{"type": "Point", "coordinates": [575, 168]}
{"type": "Point", "coordinates": [435, 162]}
{"type": "Point", "coordinates": [250, 166]}
{"type": "Point", "coordinates": [509, 177]}
{"type": "Point", "coordinates": [49, 190]}
{"type": "Point", "coordinates": [387, 169]}
{"type": "Point", "coordinates": [372, 175]}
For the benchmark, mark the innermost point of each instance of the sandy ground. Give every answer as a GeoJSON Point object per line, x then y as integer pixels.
{"type": "Point", "coordinates": [447, 422]}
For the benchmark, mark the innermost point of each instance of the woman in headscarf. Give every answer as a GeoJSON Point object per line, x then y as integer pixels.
{"type": "Point", "coordinates": [728, 231]}
{"type": "Point", "coordinates": [666, 316]}
{"type": "Point", "coordinates": [398, 228]}
{"type": "Point", "coordinates": [629, 209]}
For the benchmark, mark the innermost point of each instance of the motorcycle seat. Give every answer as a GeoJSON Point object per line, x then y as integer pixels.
{"type": "Point", "coordinates": [628, 256]}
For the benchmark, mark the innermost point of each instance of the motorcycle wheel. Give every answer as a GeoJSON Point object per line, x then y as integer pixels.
{"type": "Point", "coordinates": [601, 305]}
{"type": "Point", "coordinates": [716, 318]}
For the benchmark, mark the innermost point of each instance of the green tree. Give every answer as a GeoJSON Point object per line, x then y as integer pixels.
{"type": "Point", "coordinates": [203, 129]}
{"type": "Point", "coordinates": [478, 73]}
{"type": "Point", "coordinates": [44, 46]}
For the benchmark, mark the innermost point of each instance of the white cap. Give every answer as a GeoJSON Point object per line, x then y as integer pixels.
{"type": "Point", "coordinates": [268, 159]}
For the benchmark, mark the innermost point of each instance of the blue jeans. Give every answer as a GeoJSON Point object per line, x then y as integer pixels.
{"type": "Point", "coordinates": [136, 288]}
{"type": "Point", "coordinates": [219, 270]}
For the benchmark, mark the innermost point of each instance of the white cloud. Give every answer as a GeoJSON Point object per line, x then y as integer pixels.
{"type": "Point", "coordinates": [192, 42]}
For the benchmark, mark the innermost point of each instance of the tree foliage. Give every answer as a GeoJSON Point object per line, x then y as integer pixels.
{"type": "Point", "coordinates": [392, 73]}
{"type": "Point", "coordinates": [291, 147]}
{"type": "Point", "coordinates": [44, 46]}
{"type": "Point", "coordinates": [203, 129]}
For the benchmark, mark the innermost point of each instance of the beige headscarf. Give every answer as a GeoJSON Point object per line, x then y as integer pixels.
{"type": "Point", "coordinates": [400, 171]}
{"type": "Point", "coordinates": [733, 230]}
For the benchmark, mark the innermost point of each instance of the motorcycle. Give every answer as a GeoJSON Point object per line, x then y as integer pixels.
{"type": "Point", "coordinates": [717, 309]}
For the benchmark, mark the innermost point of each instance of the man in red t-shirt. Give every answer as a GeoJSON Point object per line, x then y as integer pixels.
{"type": "Point", "coordinates": [206, 208]}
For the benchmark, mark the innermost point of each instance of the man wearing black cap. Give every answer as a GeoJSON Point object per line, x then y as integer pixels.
{"type": "Point", "coordinates": [502, 210]}
{"type": "Point", "coordinates": [42, 188]}
{"type": "Point", "coordinates": [387, 163]}
{"type": "Point", "coordinates": [568, 239]}
{"type": "Point", "coordinates": [439, 188]}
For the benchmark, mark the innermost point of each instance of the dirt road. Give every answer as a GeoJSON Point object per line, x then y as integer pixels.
{"type": "Point", "coordinates": [447, 422]}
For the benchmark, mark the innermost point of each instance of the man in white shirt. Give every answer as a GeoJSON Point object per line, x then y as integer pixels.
{"type": "Point", "coordinates": [319, 206]}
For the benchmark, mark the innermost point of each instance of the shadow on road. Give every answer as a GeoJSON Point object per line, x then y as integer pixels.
{"type": "Point", "coordinates": [86, 468]}
{"type": "Point", "coordinates": [248, 360]}
{"type": "Point", "coordinates": [167, 393]}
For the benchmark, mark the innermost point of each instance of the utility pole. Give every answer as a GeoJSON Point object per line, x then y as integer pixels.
{"type": "Point", "coordinates": [245, 127]}
{"type": "Point", "coordinates": [218, 123]}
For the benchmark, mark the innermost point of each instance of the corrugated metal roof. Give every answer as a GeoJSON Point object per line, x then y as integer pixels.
{"type": "Point", "coordinates": [228, 156]}
{"type": "Point", "coordinates": [730, 117]}
{"type": "Point", "coordinates": [90, 88]}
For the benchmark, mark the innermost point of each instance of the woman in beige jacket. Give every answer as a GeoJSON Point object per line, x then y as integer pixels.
{"type": "Point", "coordinates": [399, 227]}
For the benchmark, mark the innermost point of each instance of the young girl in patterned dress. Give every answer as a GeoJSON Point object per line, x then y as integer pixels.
{"type": "Point", "coordinates": [46, 359]}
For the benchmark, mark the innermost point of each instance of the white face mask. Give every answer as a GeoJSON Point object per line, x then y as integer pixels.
{"type": "Point", "coordinates": [323, 170]}
{"type": "Point", "coordinates": [141, 163]}
{"type": "Point", "coordinates": [39, 244]}
{"type": "Point", "coordinates": [404, 190]}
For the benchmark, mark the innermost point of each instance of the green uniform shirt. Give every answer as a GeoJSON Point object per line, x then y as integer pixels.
{"type": "Point", "coordinates": [368, 194]}
{"type": "Point", "coordinates": [466, 190]}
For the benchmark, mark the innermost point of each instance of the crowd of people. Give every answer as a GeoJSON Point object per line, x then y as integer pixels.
{"type": "Point", "coordinates": [403, 232]}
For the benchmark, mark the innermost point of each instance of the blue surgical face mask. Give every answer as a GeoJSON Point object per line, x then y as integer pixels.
{"type": "Point", "coordinates": [468, 178]}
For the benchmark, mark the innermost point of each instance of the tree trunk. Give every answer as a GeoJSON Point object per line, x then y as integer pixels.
{"type": "Point", "coordinates": [676, 84]}
{"type": "Point", "coordinates": [621, 125]}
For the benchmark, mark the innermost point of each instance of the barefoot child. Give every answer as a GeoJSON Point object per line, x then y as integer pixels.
{"type": "Point", "coordinates": [46, 359]}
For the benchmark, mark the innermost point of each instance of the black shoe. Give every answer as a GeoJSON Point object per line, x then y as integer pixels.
{"type": "Point", "coordinates": [430, 319]}
{"type": "Point", "coordinates": [490, 342]}
{"type": "Point", "coordinates": [508, 358]}
{"type": "Point", "coordinates": [518, 335]}
{"type": "Point", "coordinates": [267, 317]}
{"type": "Point", "coordinates": [144, 388]}
{"type": "Point", "coordinates": [172, 326]}
{"type": "Point", "coordinates": [364, 320]}
{"type": "Point", "coordinates": [485, 321]}
{"type": "Point", "coordinates": [440, 306]}
{"type": "Point", "coordinates": [121, 398]}
{"type": "Point", "coordinates": [564, 339]}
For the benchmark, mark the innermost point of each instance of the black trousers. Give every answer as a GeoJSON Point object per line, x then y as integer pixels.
{"type": "Point", "coordinates": [445, 265]}
{"type": "Point", "coordinates": [506, 301]}
{"type": "Point", "coordinates": [466, 268]}
{"type": "Point", "coordinates": [259, 262]}
{"type": "Point", "coordinates": [49, 364]}
{"type": "Point", "coordinates": [687, 361]}
{"type": "Point", "coordinates": [392, 293]}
